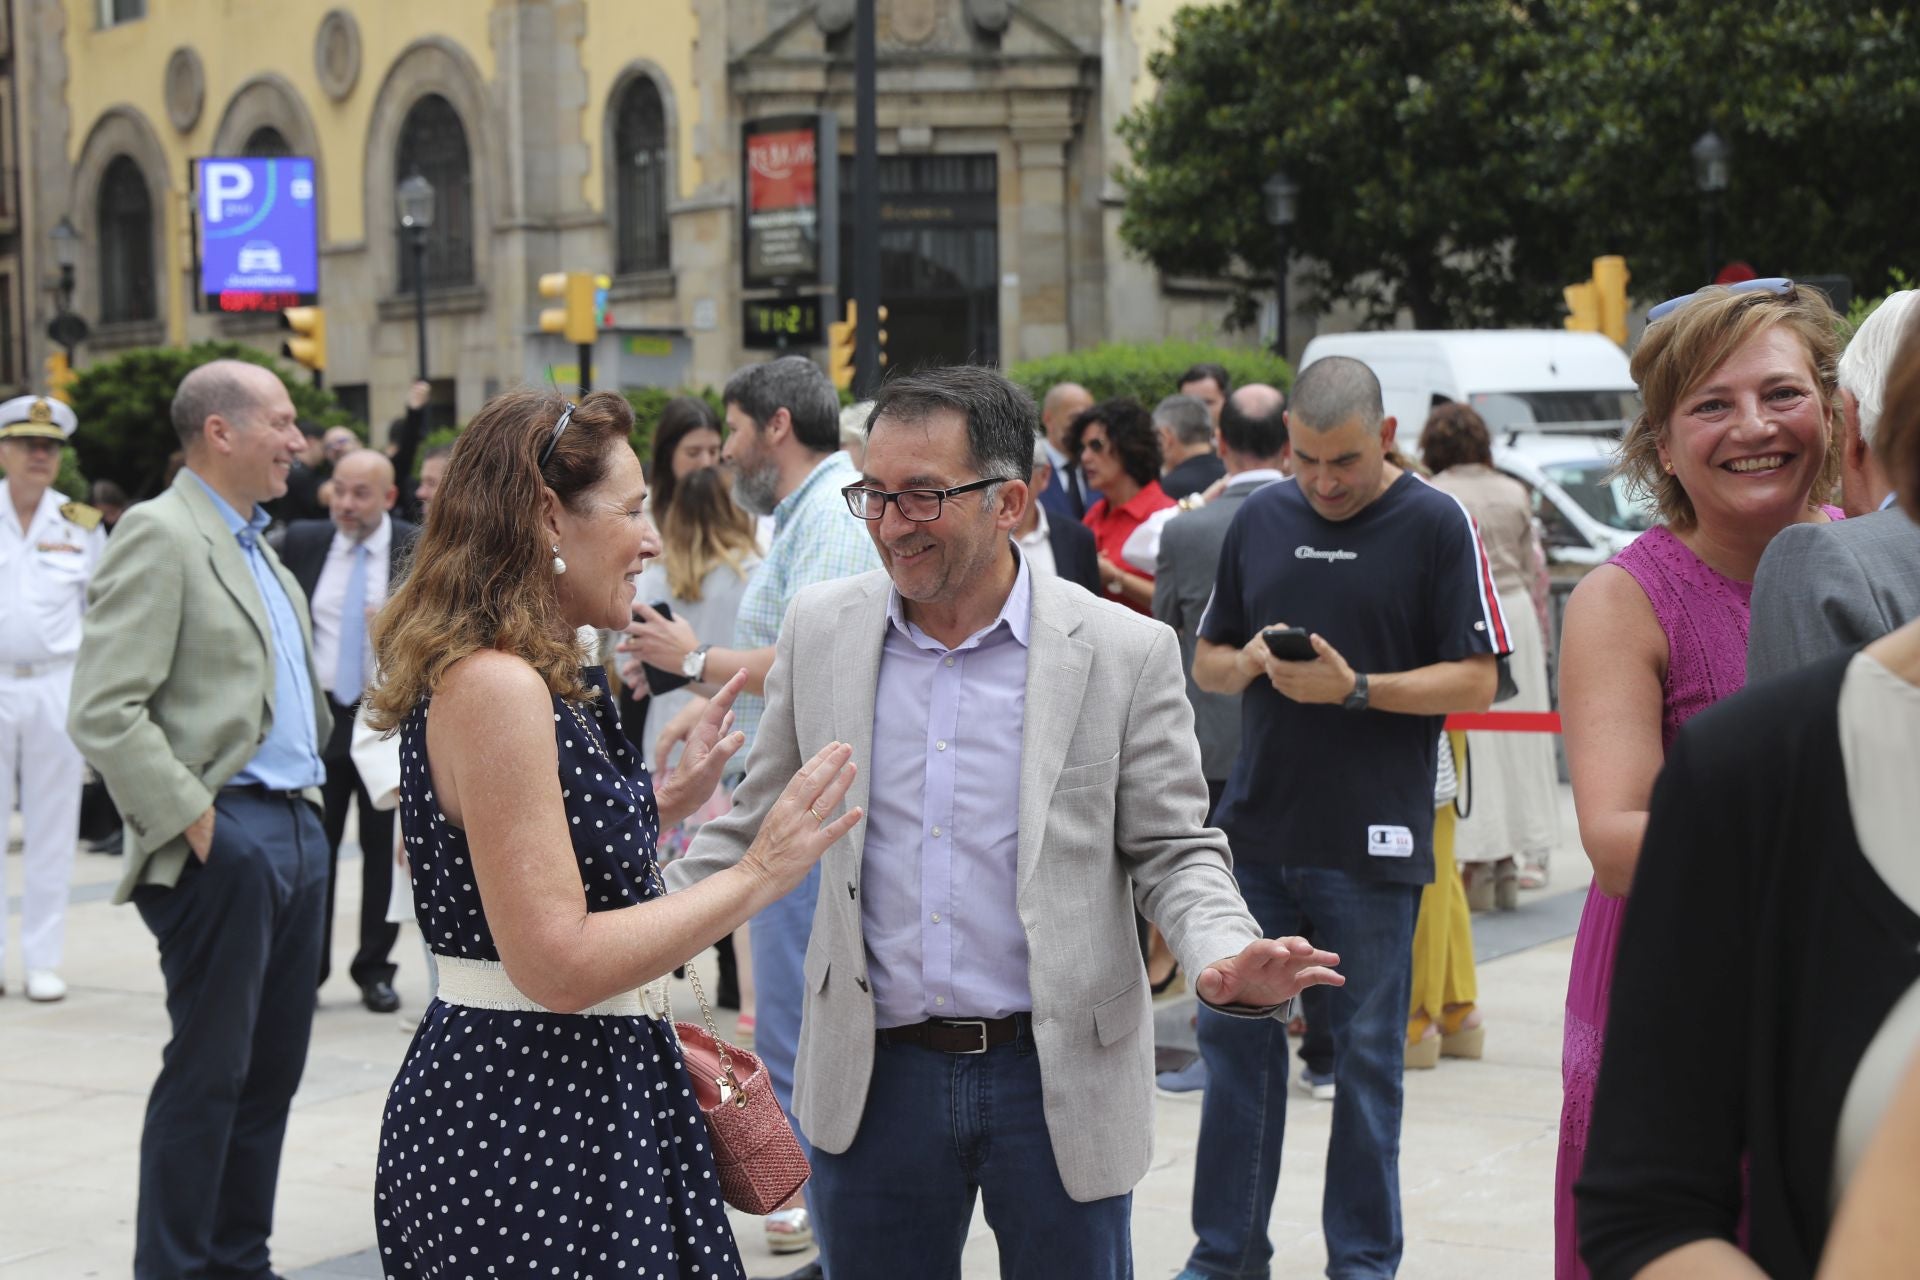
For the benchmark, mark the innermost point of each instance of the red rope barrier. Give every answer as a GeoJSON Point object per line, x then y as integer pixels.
{"type": "Point", "coordinates": [1508, 721]}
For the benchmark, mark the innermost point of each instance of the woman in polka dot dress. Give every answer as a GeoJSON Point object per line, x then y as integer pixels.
{"type": "Point", "coordinates": [543, 1123]}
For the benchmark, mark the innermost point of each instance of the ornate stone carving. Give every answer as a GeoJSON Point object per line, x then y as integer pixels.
{"type": "Point", "coordinates": [336, 53]}
{"type": "Point", "coordinates": [833, 16]}
{"type": "Point", "coordinates": [913, 21]}
{"type": "Point", "coordinates": [990, 15]}
{"type": "Point", "coordinates": [186, 88]}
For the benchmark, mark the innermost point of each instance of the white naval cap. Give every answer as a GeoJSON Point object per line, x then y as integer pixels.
{"type": "Point", "coordinates": [37, 418]}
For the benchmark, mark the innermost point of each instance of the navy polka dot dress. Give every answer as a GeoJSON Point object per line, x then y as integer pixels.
{"type": "Point", "coordinates": [538, 1144]}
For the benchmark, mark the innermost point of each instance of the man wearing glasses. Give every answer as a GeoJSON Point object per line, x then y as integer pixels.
{"type": "Point", "coordinates": [977, 1018]}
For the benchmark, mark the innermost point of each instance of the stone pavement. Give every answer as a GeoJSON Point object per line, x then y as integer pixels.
{"type": "Point", "coordinates": [1476, 1168]}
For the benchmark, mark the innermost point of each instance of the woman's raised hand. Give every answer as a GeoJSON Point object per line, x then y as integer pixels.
{"type": "Point", "coordinates": [709, 745]}
{"type": "Point", "coordinates": [800, 825]}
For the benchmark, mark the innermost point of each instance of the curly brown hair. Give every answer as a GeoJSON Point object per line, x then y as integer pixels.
{"type": "Point", "coordinates": [1897, 439]}
{"type": "Point", "coordinates": [1677, 354]}
{"type": "Point", "coordinates": [1130, 434]}
{"type": "Point", "coordinates": [1455, 436]}
{"type": "Point", "coordinates": [481, 576]}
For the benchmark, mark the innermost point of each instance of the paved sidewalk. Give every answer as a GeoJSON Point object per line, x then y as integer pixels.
{"type": "Point", "coordinates": [1477, 1166]}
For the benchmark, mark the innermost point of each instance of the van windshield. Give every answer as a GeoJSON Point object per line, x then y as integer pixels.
{"type": "Point", "coordinates": [1596, 411]}
{"type": "Point", "coordinates": [1604, 496]}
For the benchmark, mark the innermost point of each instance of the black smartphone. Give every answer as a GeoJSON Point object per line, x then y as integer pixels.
{"type": "Point", "coordinates": [1289, 644]}
{"type": "Point", "coordinates": [658, 680]}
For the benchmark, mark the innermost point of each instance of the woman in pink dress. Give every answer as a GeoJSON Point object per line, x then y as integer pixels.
{"type": "Point", "coordinates": [1738, 437]}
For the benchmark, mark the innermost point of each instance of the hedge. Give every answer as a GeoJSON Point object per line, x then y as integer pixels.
{"type": "Point", "coordinates": [1146, 371]}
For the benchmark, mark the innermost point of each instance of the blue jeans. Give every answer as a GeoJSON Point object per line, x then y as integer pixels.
{"type": "Point", "coordinates": [939, 1128]}
{"type": "Point", "coordinates": [1244, 1114]}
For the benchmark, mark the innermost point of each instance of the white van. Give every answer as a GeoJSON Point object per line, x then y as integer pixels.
{"type": "Point", "coordinates": [1519, 380]}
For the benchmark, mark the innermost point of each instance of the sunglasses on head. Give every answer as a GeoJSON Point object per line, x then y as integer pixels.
{"type": "Point", "coordinates": [1778, 285]}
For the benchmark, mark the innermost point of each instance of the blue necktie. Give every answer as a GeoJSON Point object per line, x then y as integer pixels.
{"type": "Point", "coordinates": [349, 676]}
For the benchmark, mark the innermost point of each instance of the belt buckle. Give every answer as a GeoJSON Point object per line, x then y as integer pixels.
{"type": "Point", "coordinates": [979, 1024]}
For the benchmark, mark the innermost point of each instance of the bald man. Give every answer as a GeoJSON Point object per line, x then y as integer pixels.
{"type": "Point", "coordinates": [346, 565]}
{"type": "Point", "coordinates": [1066, 493]}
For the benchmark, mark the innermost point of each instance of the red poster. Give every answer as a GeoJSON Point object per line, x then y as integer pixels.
{"type": "Point", "coordinates": [780, 169]}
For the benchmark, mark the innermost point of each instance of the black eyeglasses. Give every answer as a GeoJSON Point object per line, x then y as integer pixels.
{"type": "Point", "coordinates": [917, 505]}
{"type": "Point", "coordinates": [558, 427]}
{"type": "Point", "coordinates": [1095, 445]}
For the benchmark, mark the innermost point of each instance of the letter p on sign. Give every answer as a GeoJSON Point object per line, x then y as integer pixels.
{"type": "Point", "coordinates": [226, 182]}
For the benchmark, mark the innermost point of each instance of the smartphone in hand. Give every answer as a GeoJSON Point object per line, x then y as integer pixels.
{"type": "Point", "coordinates": [1289, 644]}
{"type": "Point", "coordinates": [658, 680]}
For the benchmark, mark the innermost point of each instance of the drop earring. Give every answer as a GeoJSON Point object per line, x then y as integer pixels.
{"type": "Point", "coordinates": [559, 565]}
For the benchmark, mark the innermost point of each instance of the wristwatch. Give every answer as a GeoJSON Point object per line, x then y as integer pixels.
{"type": "Point", "coordinates": [694, 665]}
{"type": "Point", "coordinates": [1357, 700]}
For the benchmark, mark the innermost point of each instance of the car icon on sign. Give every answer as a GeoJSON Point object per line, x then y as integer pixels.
{"type": "Point", "coordinates": [257, 257]}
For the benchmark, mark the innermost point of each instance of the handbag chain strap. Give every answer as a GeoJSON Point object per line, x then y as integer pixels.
{"type": "Point", "coordinates": [730, 1087]}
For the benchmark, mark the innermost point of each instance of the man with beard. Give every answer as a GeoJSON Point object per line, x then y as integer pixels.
{"type": "Point", "coordinates": [783, 443]}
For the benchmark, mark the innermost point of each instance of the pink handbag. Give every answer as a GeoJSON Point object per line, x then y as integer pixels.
{"type": "Point", "coordinates": [759, 1160]}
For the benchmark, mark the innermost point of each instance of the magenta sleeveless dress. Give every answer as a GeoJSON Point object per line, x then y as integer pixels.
{"type": "Point", "coordinates": [1704, 615]}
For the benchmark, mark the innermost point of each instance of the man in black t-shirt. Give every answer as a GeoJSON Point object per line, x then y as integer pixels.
{"type": "Point", "coordinates": [1330, 804]}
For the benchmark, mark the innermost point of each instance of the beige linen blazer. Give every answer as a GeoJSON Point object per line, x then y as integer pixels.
{"type": "Point", "coordinates": [174, 688]}
{"type": "Point", "coordinates": [1112, 812]}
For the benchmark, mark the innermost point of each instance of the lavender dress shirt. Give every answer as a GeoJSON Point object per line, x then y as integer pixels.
{"type": "Point", "coordinates": [938, 881]}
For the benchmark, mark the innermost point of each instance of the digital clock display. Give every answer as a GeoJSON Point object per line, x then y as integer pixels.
{"type": "Point", "coordinates": [781, 322]}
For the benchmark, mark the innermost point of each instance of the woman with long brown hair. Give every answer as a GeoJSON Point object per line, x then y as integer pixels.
{"type": "Point", "coordinates": [542, 1116]}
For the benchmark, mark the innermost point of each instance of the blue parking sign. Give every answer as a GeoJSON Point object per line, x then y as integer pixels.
{"type": "Point", "coordinates": [259, 237]}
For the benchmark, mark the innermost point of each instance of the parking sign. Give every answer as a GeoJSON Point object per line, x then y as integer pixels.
{"type": "Point", "coordinates": [259, 238]}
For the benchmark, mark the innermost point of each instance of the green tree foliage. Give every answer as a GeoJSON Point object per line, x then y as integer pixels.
{"type": "Point", "coordinates": [1146, 371]}
{"type": "Point", "coordinates": [1464, 159]}
{"type": "Point", "coordinates": [124, 406]}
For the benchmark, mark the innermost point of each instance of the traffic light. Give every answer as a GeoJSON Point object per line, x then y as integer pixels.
{"type": "Point", "coordinates": [60, 377]}
{"type": "Point", "coordinates": [576, 318]}
{"type": "Point", "coordinates": [308, 346]}
{"type": "Point", "coordinates": [840, 347]}
{"type": "Point", "coordinates": [1599, 304]}
{"type": "Point", "coordinates": [880, 337]}
{"type": "Point", "coordinates": [1610, 276]}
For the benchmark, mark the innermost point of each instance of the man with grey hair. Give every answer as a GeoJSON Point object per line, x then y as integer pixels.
{"type": "Point", "coordinates": [198, 702]}
{"type": "Point", "coordinates": [1352, 610]}
{"type": "Point", "coordinates": [1821, 588]}
{"type": "Point", "coordinates": [1064, 548]}
{"type": "Point", "coordinates": [978, 1023]}
{"type": "Point", "coordinates": [1188, 463]}
{"type": "Point", "coordinates": [783, 443]}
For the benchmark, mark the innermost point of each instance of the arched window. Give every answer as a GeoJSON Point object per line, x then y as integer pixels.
{"type": "Point", "coordinates": [640, 177]}
{"type": "Point", "coordinates": [266, 141]}
{"type": "Point", "coordinates": [433, 144]}
{"type": "Point", "coordinates": [125, 219]}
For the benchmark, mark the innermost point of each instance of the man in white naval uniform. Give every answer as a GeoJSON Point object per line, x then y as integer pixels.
{"type": "Point", "coordinates": [48, 549]}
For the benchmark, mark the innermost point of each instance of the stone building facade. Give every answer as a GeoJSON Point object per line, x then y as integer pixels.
{"type": "Point", "coordinates": [598, 135]}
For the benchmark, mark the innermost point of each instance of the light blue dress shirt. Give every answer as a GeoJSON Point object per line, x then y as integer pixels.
{"type": "Point", "coordinates": [939, 876]}
{"type": "Point", "coordinates": [289, 759]}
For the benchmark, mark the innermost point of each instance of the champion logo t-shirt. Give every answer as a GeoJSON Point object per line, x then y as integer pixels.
{"type": "Point", "coordinates": [1403, 584]}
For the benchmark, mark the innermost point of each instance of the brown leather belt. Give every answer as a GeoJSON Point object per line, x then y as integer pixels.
{"type": "Point", "coordinates": [961, 1035]}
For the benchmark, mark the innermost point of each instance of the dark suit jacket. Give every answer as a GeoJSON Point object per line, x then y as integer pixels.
{"type": "Point", "coordinates": [1195, 475]}
{"type": "Point", "coordinates": [1058, 501]}
{"type": "Point", "coordinates": [1075, 556]}
{"type": "Point", "coordinates": [304, 552]}
{"type": "Point", "coordinates": [1822, 588]}
{"type": "Point", "coordinates": [1182, 584]}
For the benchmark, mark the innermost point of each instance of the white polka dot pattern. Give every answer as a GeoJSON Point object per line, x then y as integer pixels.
{"type": "Point", "coordinates": [542, 1145]}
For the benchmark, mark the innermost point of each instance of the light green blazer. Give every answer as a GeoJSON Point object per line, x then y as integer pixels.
{"type": "Point", "coordinates": [173, 693]}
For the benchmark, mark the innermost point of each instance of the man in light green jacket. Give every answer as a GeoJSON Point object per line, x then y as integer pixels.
{"type": "Point", "coordinates": [196, 700]}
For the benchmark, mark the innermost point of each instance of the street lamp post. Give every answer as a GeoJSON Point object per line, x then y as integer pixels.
{"type": "Point", "coordinates": [66, 328]}
{"type": "Point", "coordinates": [1282, 196]}
{"type": "Point", "coordinates": [414, 200]}
{"type": "Point", "coordinates": [1712, 171]}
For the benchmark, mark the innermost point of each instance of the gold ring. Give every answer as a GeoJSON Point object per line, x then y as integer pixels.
{"type": "Point", "coordinates": [815, 813]}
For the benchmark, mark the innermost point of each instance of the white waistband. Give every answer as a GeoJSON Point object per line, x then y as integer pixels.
{"type": "Point", "coordinates": [483, 984]}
